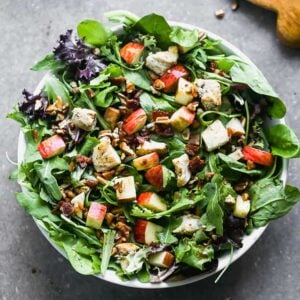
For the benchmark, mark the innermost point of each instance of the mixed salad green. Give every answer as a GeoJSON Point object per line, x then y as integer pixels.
{"type": "Point", "coordinates": [147, 151]}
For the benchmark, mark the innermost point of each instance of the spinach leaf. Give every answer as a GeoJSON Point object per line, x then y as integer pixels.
{"type": "Point", "coordinates": [138, 78]}
{"type": "Point", "coordinates": [157, 26]}
{"type": "Point", "coordinates": [183, 37]}
{"type": "Point", "coordinates": [270, 200]}
{"type": "Point", "coordinates": [108, 244]}
{"type": "Point", "coordinates": [246, 73]}
{"type": "Point", "coordinates": [18, 116]}
{"type": "Point", "coordinates": [150, 104]}
{"type": "Point", "coordinates": [194, 255]}
{"type": "Point", "coordinates": [93, 32]}
{"type": "Point", "coordinates": [55, 88]}
{"type": "Point", "coordinates": [232, 169]}
{"type": "Point", "coordinates": [48, 63]}
{"type": "Point", "coordinates": [283, 141]}
{"type": "Point", "coordinates": [45, 170]}
{"type": "Point", "coordinates": [122, 16]}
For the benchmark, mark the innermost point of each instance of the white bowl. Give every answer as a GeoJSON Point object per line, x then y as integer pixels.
{"type": "Point", "coordinates": [248, 240]}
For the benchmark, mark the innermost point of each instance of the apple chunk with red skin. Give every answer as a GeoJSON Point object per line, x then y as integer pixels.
{"type": "Point", "coordinates": [135, 121]}
{"type": "Point", "coordinates": [132, 52]}
{"type": "Point", "coordinates": [96, 215]}
{"type": "Point", "coordinates": [162, 259]}
{"type": "Point", "coordinates": [151, 201]}
{"type": "Point", "coordinates": [182, 118]}
{"type": "Point", "coordinates": [171, 77]}
{"type": "Point", "coordinates": [145, 232]}
{"type": "Point", "coordinates": [146, 161]}
{"type": "Point", "coordinates": [52, 146]}
{"type": "Point", "coordinates": [155, 176]}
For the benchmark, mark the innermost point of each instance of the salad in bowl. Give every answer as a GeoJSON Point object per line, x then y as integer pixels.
{"type": "Point", "coordinates": [150, 153]}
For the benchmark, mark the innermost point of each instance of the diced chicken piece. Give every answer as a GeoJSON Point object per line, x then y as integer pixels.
{"type": "Point", "coordinates": [189, 224]}
{"type": "Point", "coordinates": [185, 92]}
{"type": "Point", "coordinates": [235, 127]}
{"type": "Point", "coordinates": [125, 189]}
{"type": "Point", "coordinates": [182, 170]}
{"type": "Point", "coordinates": [84, 118]}
{"type": "Point", "coordinates": [209, 92]}
{"type": "Point", "coordinates": [215, 136]}
{"type": "Point", "coordinates": [127, 248]}
{"type": "Point", "coordinates": [237, 154]}
{"type": "Point", "coordinates": [161, 61]}
{"type": "Point", "coordinates": [78, 203]}
{"type": "Point", "coordinates": [151, 146]}
{"type": "Point", "coordinates": [105, 157]}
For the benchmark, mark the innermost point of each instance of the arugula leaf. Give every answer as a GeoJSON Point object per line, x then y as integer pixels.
{"type": "Point", "coordinates": [283, 141]}
{"type": "Point", "coordinates": [18, 116]}
{"type": "Point", "coordinates": [184, 38]}
{"type": "Point", "coordinates": [45, 170]}
{"type": "Point", "coordinates": [55, 88]}
{"type": "Point", "coordinates": [157, 26]}
{"type": "Point", "coordinates": [105, 98]}
{"type": "Point", "coordinates": [214, 210]}
{"type": "Point", "coordinates": [34, 205]}
{"type": "Point", "coordinates": [48, 63]}
{"type": "Point", "coordinates": [194, 255]}
{"type": "Point", "coordinates": [93, 32]}
{"type": "Point", "coordinates": [108, 244]}
{"type": "Point", "coordinates": [166, 237]}
{"type": "Point", "coordinates": [270, 200]}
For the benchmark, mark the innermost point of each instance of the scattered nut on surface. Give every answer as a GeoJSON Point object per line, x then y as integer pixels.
{"type": "Point", "coordinates": [220, 14]}
{"type": "Point", "coordinates": [234, 5]}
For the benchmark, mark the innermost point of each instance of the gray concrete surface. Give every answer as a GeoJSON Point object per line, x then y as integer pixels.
{"type": "Point", "coordinates": [29, 267]}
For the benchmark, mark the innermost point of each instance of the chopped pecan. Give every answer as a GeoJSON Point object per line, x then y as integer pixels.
{"type": "Point", "coordinates": [241, 186]}
{"type": "Point", "coordinates": [192, 149]}
{"type": "Point", "coordinates": [83, 160]}
{"type": "Point", "coordinates": [118, 80]}
{"type": "Point", "coordinates": [196, 164]}
{"type": "Point", "coordinates": [133, 104]}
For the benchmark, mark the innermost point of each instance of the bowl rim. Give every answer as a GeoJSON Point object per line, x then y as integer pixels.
{"type": "Point", "coordinates": [248, 240]}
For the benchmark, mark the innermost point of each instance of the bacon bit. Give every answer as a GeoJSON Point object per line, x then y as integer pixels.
{"type": "Point", "coordinates": [117, 80]}
{"type": "Point", "coordinates": [83, 161]}
{"type": "Point", "coordinates": [66, 208]}
{"type": "Point", "coordinates": [133, 104]}
{"type": "Point", "coordinates": [196, 164]}
{"type": "Point", "coordinates": [192, 149]}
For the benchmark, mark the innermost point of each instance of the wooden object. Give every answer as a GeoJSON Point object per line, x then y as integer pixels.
{"type": "Point", "coordinates": [288, 21]}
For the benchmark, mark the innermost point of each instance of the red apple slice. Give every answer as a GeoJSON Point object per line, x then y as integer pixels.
{"type": "Point", "coordinates": [182, 118]}
{"type": "Point", "coordinates": [96, 215]}
{"type": "Point", "coordinates": [135, 121]}
{"type": "Point", "coordinates": [171, 77]}
{"type": "Point", "coordinates": [162, 259]}
{"type": "Point", "coordinates": [145, 232]}
{"type": "Point", "coordinates": [146, 161]}
{"type": "Point", "coordinates": [152, 201]}
{"type": "Point", "coordinates": [155, 176]}
{"type": "Point", "coordinates": [132, 52]}
{"type": "Point", "coordinates": [52, 146]}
